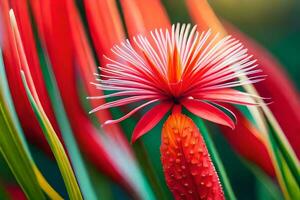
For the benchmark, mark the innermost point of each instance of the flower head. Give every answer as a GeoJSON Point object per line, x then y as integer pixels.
{"type": "Point", "coordinates": [181, 67]}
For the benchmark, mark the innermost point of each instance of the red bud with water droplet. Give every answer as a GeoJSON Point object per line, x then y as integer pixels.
{"type": "Point", "coordinates": [187, 166]}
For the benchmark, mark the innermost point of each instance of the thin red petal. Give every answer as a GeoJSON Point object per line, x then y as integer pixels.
{"type": "Point", "coordinates": [150, 119]}
{"type": "Point", "coordinates": [208, 112]}
{"type": "Point", "coordinates": [227, 95]}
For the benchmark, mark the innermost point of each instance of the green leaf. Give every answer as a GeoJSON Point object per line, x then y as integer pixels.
{"type": "Point", "coordinates": [11, 145]}
{"type": "Point", "coordinates": [146, 165]}
{"type": "Point", "coordinates": [19, 133]}
{"type": "Point", "coordinates": [215, 158]}
{"type": "Point", "coordinates": [287, 153]}
{"type": "Point", "coordinates": [129, 169]}
{"type": "Point", "coordinates": [149, 159]}
{"type": "Point", "coordinates": [266, 188]}
{"type": "Point", "coordinates": [285, 176]}
{"type": "Point", "coordinates": [66, 130]}
{"type": "Point", "coordinates": [55, 145]}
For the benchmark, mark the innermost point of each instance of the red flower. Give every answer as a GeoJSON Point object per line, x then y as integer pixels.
{"type": "Point", "coordinates": [185, 68]}
{"type": "Point", "coordinates": [189, 171]}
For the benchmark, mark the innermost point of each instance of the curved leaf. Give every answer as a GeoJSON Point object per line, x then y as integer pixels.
{"type": "Point", "coordinates": [56, 146]}
{"type": "Point", "coordinates": [11, 146]}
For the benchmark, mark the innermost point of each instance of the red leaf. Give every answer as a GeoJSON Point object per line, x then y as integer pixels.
{"type": "Point", "coordinates": [105, 25]}
{"type": "Point", "coordinates": [15, 192]}
{"type": "Point", "coordinates": [139, 17]}
{"type": "Point", "coordinates": [204, 16]}
{"type": "Point", "coordinates": [13, 65]}
{"type": "Point", "coordinates": [58, 44]}
{"type": "Point", "coordinates": [278, 87]}
{"type": "Point", "coordinates": [87, 67]}
{"type": "Point", "coordinates": [246, 140]}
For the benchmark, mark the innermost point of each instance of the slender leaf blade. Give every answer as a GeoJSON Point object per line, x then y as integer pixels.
{"type": "Point", "coordinates": [66, 130]}
{"type": "Point", "coordinates": [11, 145]}
{"type": "Point", "coordinates": [56, 146]}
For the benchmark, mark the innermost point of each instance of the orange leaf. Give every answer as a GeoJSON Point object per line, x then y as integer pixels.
{"type": "Point", "coordinates": [142, 16]}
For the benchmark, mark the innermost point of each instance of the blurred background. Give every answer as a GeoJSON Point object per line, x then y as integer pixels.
{"type": "Point", "coordinates": [275, 24]}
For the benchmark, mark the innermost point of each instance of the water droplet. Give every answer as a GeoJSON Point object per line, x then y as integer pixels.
{"type": "Point", "coordinates": [191, 152]}
{"type": "Point", "coordinates": [190, 192]}
{"type": "Point", "coordinates": [194, 173]}
{"type": "Point", "coordinates": [177, 160]}
{"type": "Point", "coordinates": [209, 184]}
{"type": "Point", "coordinates": [186, 184]}
{"type": "Point", "coordinates": [182, 167]}
{"type": "Point", "coordinates": [175, 130]}
{"type": "Point", "coordinates": [178, 177]}
{"type": "Point", "coordinates": [193, 142]}
{"type": "Point", "coordinates": [194, 161]}
{"type": "Point", "coordinates": [184, 133]}
{"type": "Point", "coordinates": [205, 163]}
